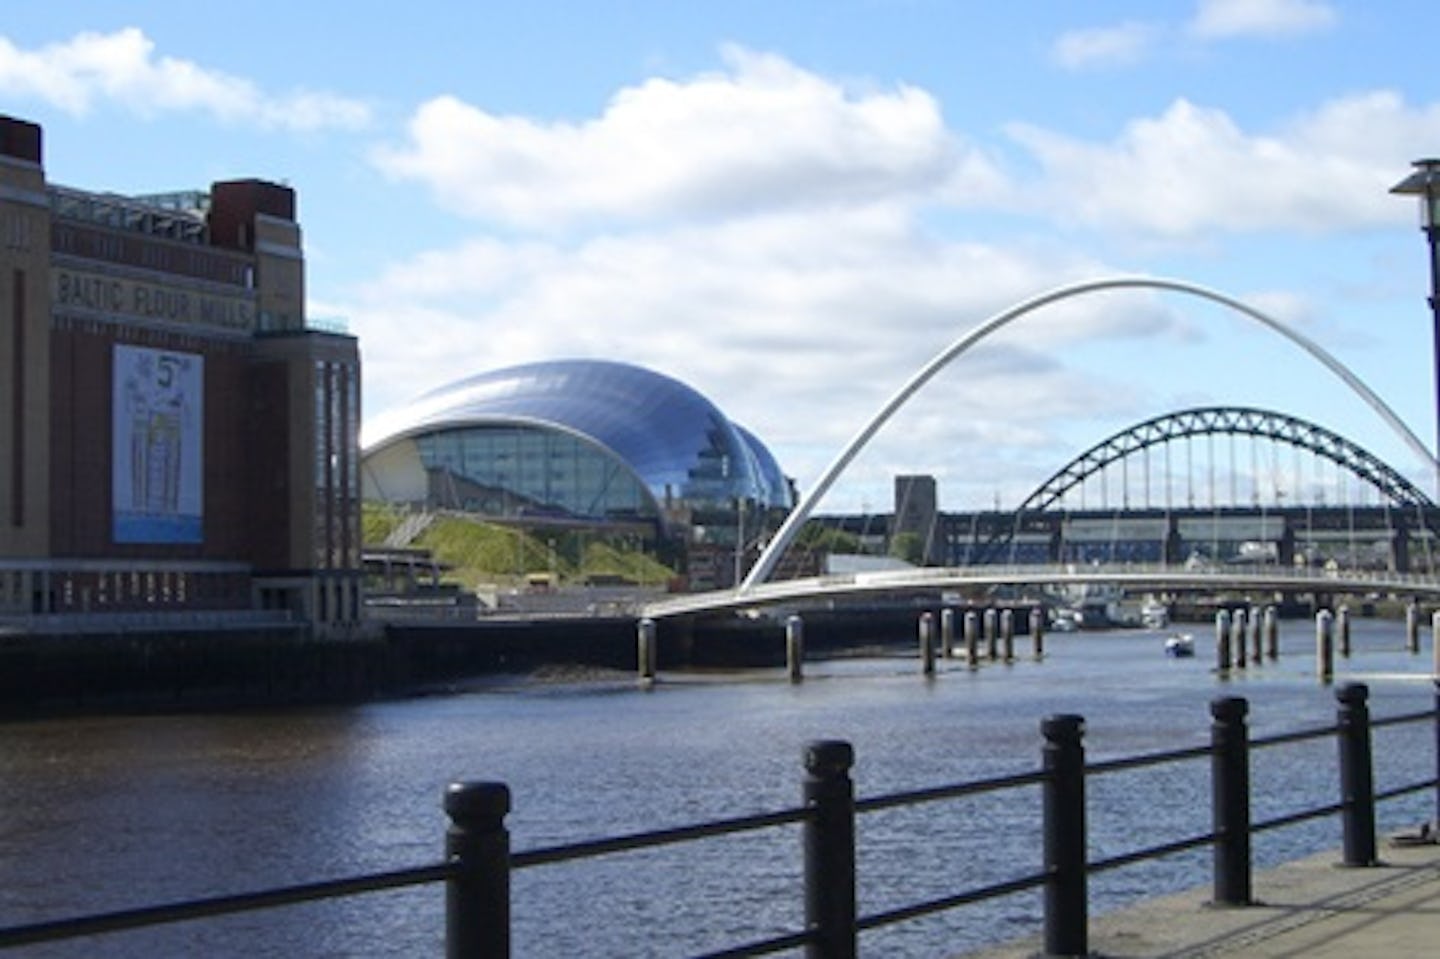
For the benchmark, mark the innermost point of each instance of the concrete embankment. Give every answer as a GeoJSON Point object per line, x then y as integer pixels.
{"type": "Point", "coordinates": [46, 674]}
{"type": "Point", "coordinates": [171, 670]}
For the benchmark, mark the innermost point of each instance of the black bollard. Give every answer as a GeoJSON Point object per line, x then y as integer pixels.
{"type": "Point", "coordinates": [1230, 800]}
{"type": "Point", "coordinates": [477, 894]}
{"type": "Point", "coordinates": [1357, 777]}
{"type": "Point", "coordinates": [829, 838]}
{"type": "Point", "coordinates": [1063, 756]}
{"type": "Point", "coordinates": [947, 633]}
{"type": "Point", "coordinates": [927, 643]}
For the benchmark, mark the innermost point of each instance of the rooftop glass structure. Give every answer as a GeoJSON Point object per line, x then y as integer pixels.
{"type": "Point", "coordinates": [586, 439]}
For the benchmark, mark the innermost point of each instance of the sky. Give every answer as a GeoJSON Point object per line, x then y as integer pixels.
{"type": "Point", "coordinates": [795, 206]}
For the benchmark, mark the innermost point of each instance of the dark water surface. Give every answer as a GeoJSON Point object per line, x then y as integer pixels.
{"type": "Point", "coordinates": [104, 813]}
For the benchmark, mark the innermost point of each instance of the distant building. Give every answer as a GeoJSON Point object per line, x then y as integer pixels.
{"type": "Point", "coordinates": [173, 436]}
{"type": "Point", "coordinates": [917, 514]}
{"type": "Point", "coordinates": [583, 443]}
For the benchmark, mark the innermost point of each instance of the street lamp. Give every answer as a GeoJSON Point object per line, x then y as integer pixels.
{"type": "Point", "coordinates": [1425, 184]}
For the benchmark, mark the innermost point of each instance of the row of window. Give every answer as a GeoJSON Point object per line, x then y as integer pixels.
{"type": "Point", "coordinates": [28, 591]}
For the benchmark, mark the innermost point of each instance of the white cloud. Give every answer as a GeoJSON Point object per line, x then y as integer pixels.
{"type": "Point", "coordinates": [761, 135]}
{"type": "Point", "coordinates": [801, 283]}
{"type": "Point", "coordinates": [1193, 169]}
{"type": "Point", "coordinates": [122, 68]}
{"type": "Point", "coordinates": [1122, 44]}
{"type": "Point", "coordinates": [1260, 18]}
{"type": "Point", "coordinates": [799, 325]}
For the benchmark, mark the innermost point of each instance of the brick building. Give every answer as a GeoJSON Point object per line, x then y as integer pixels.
{"type": "Point", "coordinates": [174, 438]}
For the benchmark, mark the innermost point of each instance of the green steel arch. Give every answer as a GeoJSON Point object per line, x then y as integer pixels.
{"type": "Point", "coordinates": [793, 522]}
{"type": "Point", "coordinates": [1231, 420]}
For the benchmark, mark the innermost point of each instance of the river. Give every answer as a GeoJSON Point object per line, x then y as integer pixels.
{"type": "Point", "coordinates": [109, 812]}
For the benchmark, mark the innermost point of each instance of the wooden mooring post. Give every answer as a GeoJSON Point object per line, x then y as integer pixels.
{"type": "Point", "coordinates": [971, 630]}
{"type": "Point", "coordinates": [1222, 640]}
{"type": "Point", "coordinates": [1037, 631]}
{"type": "Point", "coordinates": [795, 648]}
{"type": "Point", "coordinates": [927, 643]}
{"type": "Point", "coordinates": [1324, 646]}
{"type": "Point", "coordinates": [646, 653]}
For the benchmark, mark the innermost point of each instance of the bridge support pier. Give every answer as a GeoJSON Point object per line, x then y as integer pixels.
{"type": "Point", "coordinates": [947, 633]}
{"type": "Point", "coordinates": [1272, 633]}
{"type": "Point", "coordinates": [1412, 627]}
{"type": "Point", "coordinates": [1007, 634]}
{"type": "Point", "coordinates": [1342, 626]}
{"type": "Point", "coordinates": [992, 645]}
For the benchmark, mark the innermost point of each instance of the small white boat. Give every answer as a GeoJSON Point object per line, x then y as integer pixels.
{"type": "Point", "coordinates": [1180, 645]}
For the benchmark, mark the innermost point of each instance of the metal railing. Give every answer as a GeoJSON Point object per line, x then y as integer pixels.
{"type": "Point", "coordinates": [478, 862]}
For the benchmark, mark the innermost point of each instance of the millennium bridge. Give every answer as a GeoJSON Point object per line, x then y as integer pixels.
{"type": "Point", "coordinates": [976, 580]}
{"type": "Point", "coordinates": [1152, 541]}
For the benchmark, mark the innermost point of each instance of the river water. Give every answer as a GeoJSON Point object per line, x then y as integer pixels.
{"type": "Point", "coordinates": [110, 812]}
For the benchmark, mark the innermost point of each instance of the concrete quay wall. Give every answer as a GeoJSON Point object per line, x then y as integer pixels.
{"type": "Point", "coordinates": [253, 666]}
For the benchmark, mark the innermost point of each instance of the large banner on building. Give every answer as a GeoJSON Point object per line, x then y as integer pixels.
{"type": "Point", "coordinates": [158, 416]}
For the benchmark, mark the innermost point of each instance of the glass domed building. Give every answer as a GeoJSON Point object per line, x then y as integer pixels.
{"type": "Point", "coordinates": [583, 441]}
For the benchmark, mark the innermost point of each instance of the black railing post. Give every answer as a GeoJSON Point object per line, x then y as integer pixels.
{"type": "Point", "coordinates": [1357, 780]}
{"type": "Point", "coordinates": [1063, 755]}
{"type": "Point", "coordinates": [830, 850]}
{"type": "Point", "coordinates": [1230, 799]}
{"type": "Point", "coordinates": [477, 896]}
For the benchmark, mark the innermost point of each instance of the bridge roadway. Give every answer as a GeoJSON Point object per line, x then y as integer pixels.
{"type": "Point", "coordinates": [1152, 577]}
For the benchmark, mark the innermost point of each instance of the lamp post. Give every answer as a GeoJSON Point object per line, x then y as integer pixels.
{"type": "Point", "coordinates": [1425, 184]}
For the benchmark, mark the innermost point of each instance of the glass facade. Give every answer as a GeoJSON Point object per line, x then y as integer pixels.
{"type": "Point", "coordinates": [585, 438]}
{"type": "Point", "coordinates": [529, 471]}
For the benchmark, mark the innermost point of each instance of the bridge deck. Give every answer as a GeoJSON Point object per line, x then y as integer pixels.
{"type": "Point", "coordinates": [1137, 576]}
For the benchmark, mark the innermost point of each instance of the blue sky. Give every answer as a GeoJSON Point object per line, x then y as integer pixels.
{"type": "Point", "coordinates": [793, 206]}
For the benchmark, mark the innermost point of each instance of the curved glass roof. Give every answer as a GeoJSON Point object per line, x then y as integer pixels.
{"type": "Point", "coordinates": [673, 438]}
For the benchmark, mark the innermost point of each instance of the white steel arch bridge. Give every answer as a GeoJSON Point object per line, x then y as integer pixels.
{"type": "Point", "coordinates": [755, 590]}
{"type": "Point", "coordinates": [974, 581]}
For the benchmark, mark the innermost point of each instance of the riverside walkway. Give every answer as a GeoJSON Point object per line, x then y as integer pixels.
{"type": "Point", "coordinates": [1313, 908]}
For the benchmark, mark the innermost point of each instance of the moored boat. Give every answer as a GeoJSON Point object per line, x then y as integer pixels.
{"type": "Point", "coordinates": [1180, 645]}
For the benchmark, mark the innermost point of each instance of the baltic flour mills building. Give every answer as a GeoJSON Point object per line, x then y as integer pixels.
{"type": "Point", "coordinates": [174, 438]}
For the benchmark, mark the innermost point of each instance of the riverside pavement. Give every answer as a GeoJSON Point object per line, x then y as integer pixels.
{"type": "Point", "coordinates": [1313, 908]}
